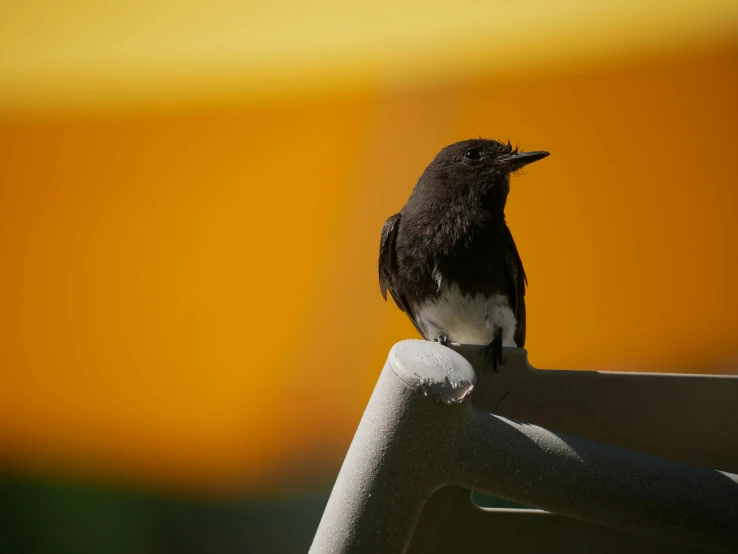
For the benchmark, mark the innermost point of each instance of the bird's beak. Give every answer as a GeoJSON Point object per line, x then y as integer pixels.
{"type": "Point", "coordinates": [516, 161]}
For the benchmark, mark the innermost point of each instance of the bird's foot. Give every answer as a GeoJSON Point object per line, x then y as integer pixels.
{"type": "Point", "coordinates": [494, 349]}
{"type": "Point", "coordinates": [442, 340]}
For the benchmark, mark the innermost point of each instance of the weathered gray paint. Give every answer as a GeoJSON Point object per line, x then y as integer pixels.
{"type": "Point", "coordinates": [421, 432]}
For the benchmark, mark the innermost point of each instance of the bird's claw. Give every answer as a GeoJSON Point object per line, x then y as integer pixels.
{"type": "Point", "coordinates": [442, 340]}
{"type": "Point", "coordinates": [494, 349]}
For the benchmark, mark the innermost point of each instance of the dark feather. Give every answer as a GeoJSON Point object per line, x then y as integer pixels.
{"type": "Point", "coordinates": [517, 285]}
{"type": "Point", "coordinates": [387, 255]}
{"type": "Point", "coordinates": [388, 268]}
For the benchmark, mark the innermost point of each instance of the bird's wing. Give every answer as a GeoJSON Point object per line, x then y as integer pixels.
{"type": "Point", "coordinates": [387, 254]}
{"type": "Point", "coordinates": [388, 268]}
{"type": "Point", "coordinates": [518, 284]}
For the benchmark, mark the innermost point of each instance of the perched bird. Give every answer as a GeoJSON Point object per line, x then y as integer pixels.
{"type": "Point", "coordinates": [449, 259]}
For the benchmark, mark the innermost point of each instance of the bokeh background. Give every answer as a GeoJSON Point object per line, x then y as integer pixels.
{"type": "Point", "coordinates": [191, 196]}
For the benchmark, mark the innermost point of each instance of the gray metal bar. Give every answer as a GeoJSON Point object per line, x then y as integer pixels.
{"type": "Point", "coordinates": [391, 467]}
{"type": "Point", "coordinates": [638, 411]}
{"type": "Point", "coordinates": [596, 482]}
{"type": "Point", "coordinates": [420, 432]}
{"type": "Point", "coordinates": [484, 531]}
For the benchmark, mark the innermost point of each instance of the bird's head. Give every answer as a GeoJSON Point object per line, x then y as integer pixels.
{"type": "Point", "coordinates": [477, 168]}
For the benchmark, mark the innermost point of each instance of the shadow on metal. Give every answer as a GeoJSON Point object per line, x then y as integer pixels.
{"type": "Point", "coordinates": [617, 460]}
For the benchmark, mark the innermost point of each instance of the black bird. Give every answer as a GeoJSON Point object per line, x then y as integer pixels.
{"type": "Point", "coordinates": [449, 259]}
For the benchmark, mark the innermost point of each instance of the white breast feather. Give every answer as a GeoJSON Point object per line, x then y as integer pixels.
{"type": "Point", "coordinates": [466, 318]}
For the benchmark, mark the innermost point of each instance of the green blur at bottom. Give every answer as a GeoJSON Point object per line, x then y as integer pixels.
{"type": "Point", "coordinates": [55, 517]}
{"type": "Point", "coordinates": [59, 517]}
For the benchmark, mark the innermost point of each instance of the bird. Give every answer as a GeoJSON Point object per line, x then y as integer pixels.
{"type": "Point", "coordinates": [448, 258]}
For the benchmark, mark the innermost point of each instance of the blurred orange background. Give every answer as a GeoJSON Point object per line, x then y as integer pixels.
{"type": "Point", "coordinates": [191, 200]}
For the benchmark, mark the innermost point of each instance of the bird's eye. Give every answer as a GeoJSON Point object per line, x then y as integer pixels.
{"type": "Point", "coordinates": [472, 154]}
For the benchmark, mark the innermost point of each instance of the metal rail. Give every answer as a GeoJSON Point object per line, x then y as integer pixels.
{"type": "Point", "coordinates": [420, 432]}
